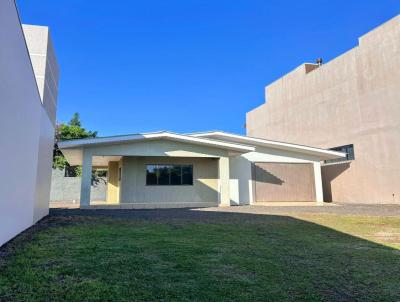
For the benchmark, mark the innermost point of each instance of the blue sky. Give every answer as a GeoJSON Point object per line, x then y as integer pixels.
{"type": "Point", "coordinates": [188, 65]}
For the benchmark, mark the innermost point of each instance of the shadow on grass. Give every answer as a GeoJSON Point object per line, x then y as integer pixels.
{"type": "Point", "coordinates": [188, 254]}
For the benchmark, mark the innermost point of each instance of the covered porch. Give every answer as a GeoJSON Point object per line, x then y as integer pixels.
{"type": "Point", "coordinates": [157, 170]}
{"type": "Point", "coordinates": [145, 182]}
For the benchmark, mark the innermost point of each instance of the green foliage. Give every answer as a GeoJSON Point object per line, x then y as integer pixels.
{"type": "Point", "coordinates": [78, 170]}
{"type": "Point", "coordinates": [72, 130]}
{"type": "Point", "coordinates": [101, 173]}
{"type": "Point", "coordinates": [75, 121]}
{"type": "Point", "coordinates": [59, 162]}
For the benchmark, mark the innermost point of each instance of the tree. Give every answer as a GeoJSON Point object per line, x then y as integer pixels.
{"type": "Point", "coordinates": [75, 121]}
{"type": "Point", "coordinates": [71, 130]}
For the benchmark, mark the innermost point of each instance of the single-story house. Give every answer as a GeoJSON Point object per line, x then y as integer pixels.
{"type": "Point", "coordinates": [164, 169]}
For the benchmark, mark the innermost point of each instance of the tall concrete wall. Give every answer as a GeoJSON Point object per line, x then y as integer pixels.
{"type": "Point", "coordinates": [44, 162]}
{"type": "Point", "coordinates": [69, 188]}
{"type": "Point", "coordinates": [353, 99]}
{"type": "Point", "coordinates": [24, 149]}
{"type": "Point", "coordinates": [45, 66]}
{"type": "Point", "coordinates": [46, 70]}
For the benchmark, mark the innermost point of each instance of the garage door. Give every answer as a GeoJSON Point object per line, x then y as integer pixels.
{"type": "Point", "coordinates": [283, 182]}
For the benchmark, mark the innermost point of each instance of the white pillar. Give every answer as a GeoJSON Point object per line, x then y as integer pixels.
{"type": "Point", "coordinates": [319, 195]}
{"type": "Point", "coordinates": [223, 173]}
{"type": "Point", "coordinates": [86, 181]}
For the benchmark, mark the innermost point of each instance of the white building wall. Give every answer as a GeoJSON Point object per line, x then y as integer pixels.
{"type": "Point", "coordinates": [24, 139]}
{"type": "Point", "coordinates": [46, 70]}
{"type": "Point", "coordinates": [44, 163]}
{"type": "Point", "coordinates": [240, 180]}
{"type": "Point", "coordinates": [44, 64]}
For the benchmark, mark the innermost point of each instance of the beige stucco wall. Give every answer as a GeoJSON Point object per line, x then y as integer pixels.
{"type": "Point", "coordinates": [113, 182]}
{"type": "Point", "coordinates": [284, 182]}
{"type": "Point", "coordinates": [204, 189]}
{"type": "Point", "coordinates": [353, 99]}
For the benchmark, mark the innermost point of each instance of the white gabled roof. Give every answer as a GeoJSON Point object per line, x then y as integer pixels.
{"type": "Point", "coordinates": [79, 143]}
{"type": "Point", "coordinates": [225, 136]}
{"type": "Point", "coordinates": [235, 143]}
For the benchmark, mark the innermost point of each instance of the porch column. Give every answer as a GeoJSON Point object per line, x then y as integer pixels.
{"type": "Point", "coordinates": [86, 181]}
{"type": "Point", "coordinates": [319, 195]}
{"type": "Point", "coordinates": [113, 182]}
{"type": "Point", "coordinates": [224, 179]}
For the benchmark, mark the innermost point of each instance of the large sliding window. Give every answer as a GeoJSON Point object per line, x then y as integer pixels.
{"type": "Point", "coordinates": [169, 175]}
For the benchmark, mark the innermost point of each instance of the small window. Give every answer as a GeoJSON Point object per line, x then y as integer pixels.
{"type": "Point", "coordinates": [348, 149]}
{"type": "Point", "coordinates": [169, 175]}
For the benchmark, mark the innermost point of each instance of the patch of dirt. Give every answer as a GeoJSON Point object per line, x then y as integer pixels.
{"type": "Point", "coordinates": [19, 242]}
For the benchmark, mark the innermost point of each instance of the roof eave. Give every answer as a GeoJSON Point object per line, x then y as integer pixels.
{"type": "Point", "coordinates": [81, 143]}
{"type": "Point", "coordinates": [323, 153]}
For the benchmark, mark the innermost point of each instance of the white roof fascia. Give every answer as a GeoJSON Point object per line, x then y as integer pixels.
{"type": "Point", "coordinates": [155, 135]}
{"type": "Point", "coordinates": [272, 144]}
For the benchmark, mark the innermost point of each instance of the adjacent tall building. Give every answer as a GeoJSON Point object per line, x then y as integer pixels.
{"type": "Point", "coordinates": [28, 101]}
{"type": "Point", "coordinates": [351, 104]}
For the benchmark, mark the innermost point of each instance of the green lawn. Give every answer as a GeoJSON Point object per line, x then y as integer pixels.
{"type": "Point", "coordinates": [241, 257]}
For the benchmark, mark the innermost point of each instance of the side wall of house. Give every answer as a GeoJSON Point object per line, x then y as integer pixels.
{"type": "Point", "coordinates": [353, 99]}
{"type": "Point", "coordinates": [44, 162]}
{"type": "Point", "coordinates": [46, 72]}
{"type": "Point", "coordinates": [203, 192]}
{"type": "Point", "coordinates": [20, 119]}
